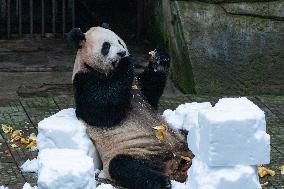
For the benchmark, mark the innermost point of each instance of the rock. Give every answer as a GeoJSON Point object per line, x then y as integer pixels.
{"type": "Point", "coordinates": [224, 47]}
{"type": "Point", "coordinates": [270, 10]}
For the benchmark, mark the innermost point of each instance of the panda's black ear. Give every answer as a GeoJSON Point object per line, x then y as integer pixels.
{"type": "Point", "coordinates": [75, 37]}
{"type": "Point", "coordinates": [106, 26]}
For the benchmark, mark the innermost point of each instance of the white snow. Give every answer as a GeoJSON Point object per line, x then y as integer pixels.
{"type": "Point", "coordinates": [202, 176]}
{"type": "Point", "coordinates": [232, 133]}
{"type": "Point", "coordinates": [178, 185]}
{"type": "Point", "coordinates": [185, 116]}
{"type": "Point", "coordinates": [28, 186]}
{"type": "Point", "coordinates": [3, 187]}
{"type": "Point", "coordinates": [64, 130]}
{"type": "Point", "coordinates": [105, 186]}
{"type": "Point", "coordinates": [30, 165]}
{"type": "Point", "coordinates": [65, 169]}
{"type": "Point", "coordinates": [228, 141]}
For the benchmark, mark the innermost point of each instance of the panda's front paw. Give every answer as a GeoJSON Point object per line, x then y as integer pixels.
{"type": "Point", "coordinates": [159, 61]}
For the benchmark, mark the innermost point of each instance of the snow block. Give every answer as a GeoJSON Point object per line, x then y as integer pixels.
{"type": "Point", "coordinates": [202, 176]}
{"type": "Point", "coordinates": [65, 169]}
{"type": "Point", "coordinates": [233, 133]}
{"type": "Point", "coordinates": [64, 130]}
{"type": "Point", "coordinates": [185, 116]}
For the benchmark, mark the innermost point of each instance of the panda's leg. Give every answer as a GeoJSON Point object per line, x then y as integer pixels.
{"type": "Point", "coordinates": [135, 173]}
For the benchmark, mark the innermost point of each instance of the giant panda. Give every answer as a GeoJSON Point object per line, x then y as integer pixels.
{"type": "Point", "coordinates": [118, 109]}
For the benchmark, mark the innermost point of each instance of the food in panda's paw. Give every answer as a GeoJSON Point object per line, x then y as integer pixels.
{"type": "Point", "coordinates": [122, 121]}
{"type": "Point", "coordinates": [159, 60]}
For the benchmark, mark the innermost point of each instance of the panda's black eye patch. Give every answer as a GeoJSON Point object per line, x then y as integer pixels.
{"type": "Point", "coordinates": [105, 48]}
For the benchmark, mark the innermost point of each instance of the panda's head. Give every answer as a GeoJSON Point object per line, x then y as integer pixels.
{"type": "Point", "coordinates": [99, 48]}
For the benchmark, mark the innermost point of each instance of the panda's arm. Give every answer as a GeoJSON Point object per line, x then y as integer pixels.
{"type": "Point", "coordinates": [103, 100]}
{"type": "Point", "coordinates": [152, 85]}
{"type": "Point", "coordinates": [153, 80]}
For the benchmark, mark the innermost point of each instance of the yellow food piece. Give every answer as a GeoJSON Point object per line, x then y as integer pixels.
{"type": "Point", "coordinates": [31, 145]}
{"type": "Point", "coordinates": [160, 134]}
{"type": "Point", "coordinates": [263, 171]}
{"type": "Point", "coordinates": [14, 145]}
{"type": "Point", "coordinates": [161, 131]}
{"type": "Point", "coordinates": [162, 127]}
{"type": "Point", "coordinates": [134, 87]}
{"type": "Point", "coordinates": [6, 128]}
{"type": "Point", "coordinates": [25, 141]}
{"type": "Point", "coordinates": [32, 136]}
{"type": "Point", "coordinates": [186, 158]}
{"type": "Point", "coordinates": [16, 135]}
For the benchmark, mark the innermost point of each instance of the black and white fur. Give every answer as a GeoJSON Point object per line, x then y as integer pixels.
{"type": "Point", "coordinates": [103, 97]}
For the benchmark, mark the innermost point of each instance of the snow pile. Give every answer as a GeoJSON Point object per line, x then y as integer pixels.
{"type": "Point", "coordinates": [67, 157]}
{"type": "Point", "coordinates": [232, 133]}
{"type": "Point", "coordinates": [106, 186]}
{"type": "Point", "coordinates": [3, 187]}
{"type": "Point", "coordinates": [30, 165]}
{"type": "Point", "coordinates": [65, 168]}
{"type": "Point", "coordinates": [28, 186]}
{"type": "Point", "coordinates": [185, 116]}
{"type": "Point", "coordinates": [178, 185]}
{"type": "Point", "coordinates": [64, 130]}
{"type": "Point", "coordinates": [202, 176]}
{"type": "Point", "coordinates": [228, 141]}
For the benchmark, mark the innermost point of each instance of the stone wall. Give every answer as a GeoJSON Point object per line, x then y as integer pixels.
{"type": "Point", "coordinates": [225, 46]}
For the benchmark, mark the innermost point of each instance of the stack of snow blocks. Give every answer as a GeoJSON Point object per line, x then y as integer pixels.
{"type": "Point", "coordinates": [67, 157]}
{"type": "Point", "coordinates": [232, 141]}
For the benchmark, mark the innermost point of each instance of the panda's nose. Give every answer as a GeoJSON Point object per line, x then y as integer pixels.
{"type": "Point", "coordinates": [122, 53]}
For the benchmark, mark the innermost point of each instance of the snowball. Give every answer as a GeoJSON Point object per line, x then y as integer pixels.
{"type": "Point", "coordinates": [202, 176]}
{"type": "Point", "coordinates": [185, 116]}
{"type": "Point", "coordinates": [30, 165]}
{"type": "Point", "coordinates": [233, 133]}
{"type": "Point", "coordinates": [64, 130]}
{"type": "Point", "coordinates": [106, 186]}
{"type": "Point", "coordinates": [28, 186]}
{"type": "Point", "coordinates": [102, 174]}
{"type": "Point", "coordinates": [65, 169]}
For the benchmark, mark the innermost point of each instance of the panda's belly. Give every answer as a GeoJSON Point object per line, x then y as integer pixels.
{"type": "Point", "coordinates": [136, 136]}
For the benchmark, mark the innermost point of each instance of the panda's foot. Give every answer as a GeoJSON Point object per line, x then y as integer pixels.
{"type": "Point", "coordinates": [135, 173]}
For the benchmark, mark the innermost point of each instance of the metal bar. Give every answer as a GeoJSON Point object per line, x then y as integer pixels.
{"type": "Point", "coordinates": [73, 13]}
{"type": "Point", "coordinates": [63, 17]}
{"type": "Point", "coordinates": [20, 17]}
{"type": "Point", "coordinates": [31, 18]}
{"type": "Point", "coordinates": [8, 18]}
{"type": "Point", "coordinates": [42, 19]}
{"type": "Point", "coordinates": [53, 17]}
